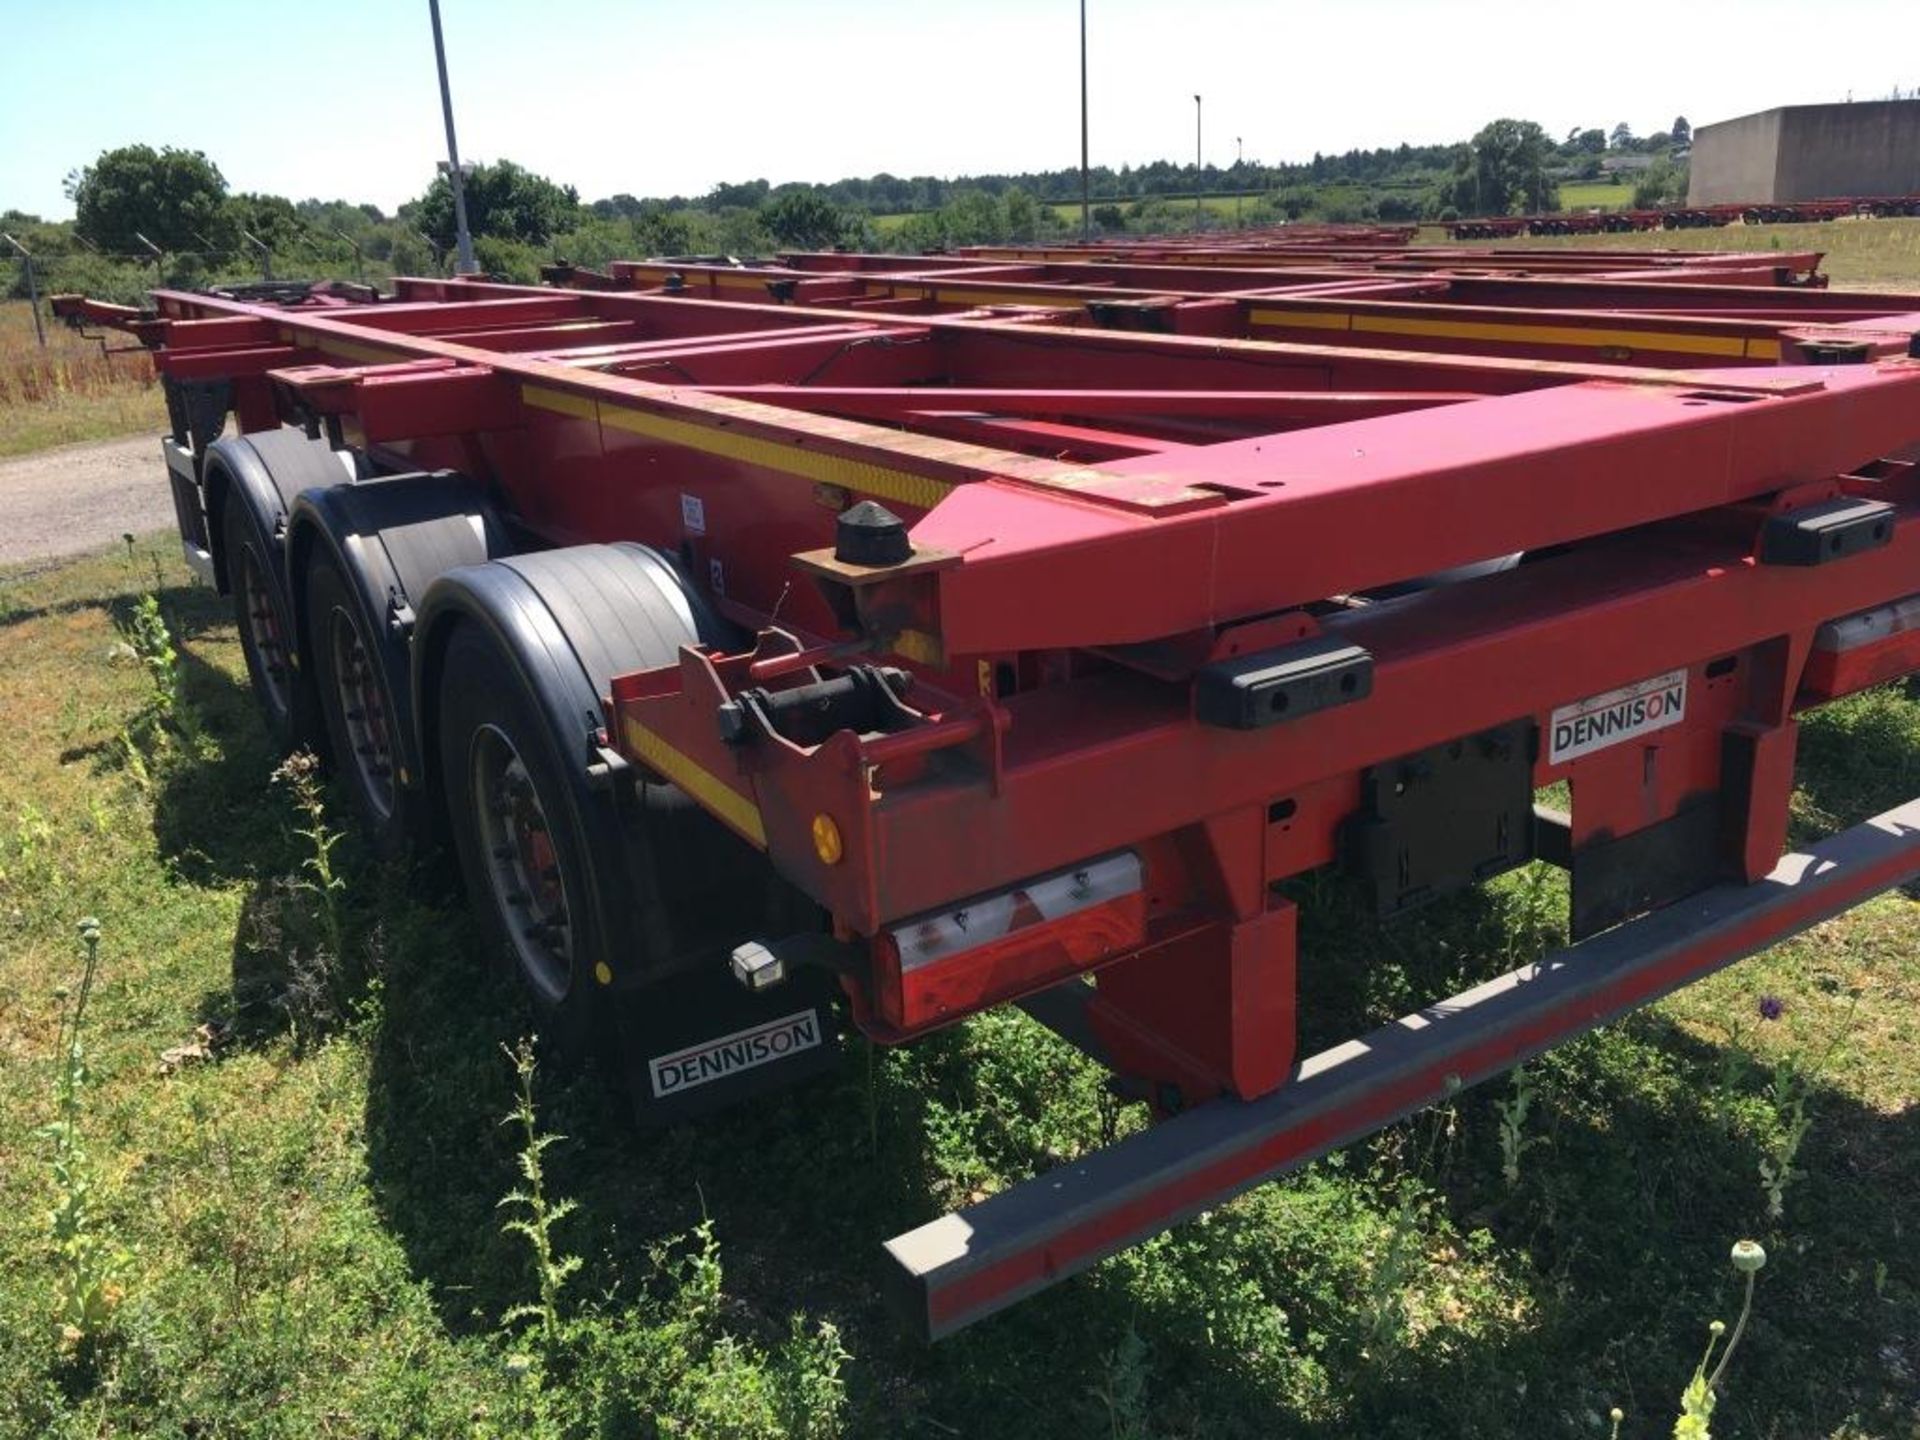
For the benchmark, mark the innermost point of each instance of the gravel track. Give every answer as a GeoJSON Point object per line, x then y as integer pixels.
{"type": "Point", "coordinates": [80, 497]}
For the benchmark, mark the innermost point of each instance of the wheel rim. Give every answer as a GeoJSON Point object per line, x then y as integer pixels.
{"type": "Point", "coordinates": [522, 862]}
{"type": "Point", "coordinates": [363, 712]}
{"type": "Point", "coordinates": [263, 631]}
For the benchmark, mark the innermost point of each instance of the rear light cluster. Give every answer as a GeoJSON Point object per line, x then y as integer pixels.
{"type": "Point", "coordinates": [935, 967]}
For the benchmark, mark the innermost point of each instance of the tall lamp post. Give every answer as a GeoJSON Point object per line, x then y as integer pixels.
{"type": "Point", "coordinates": [1086, 189]}
{"type": "Point", "coordinates": [465, 265]}
{"type": "Point", "coordinates": [1196, 165]}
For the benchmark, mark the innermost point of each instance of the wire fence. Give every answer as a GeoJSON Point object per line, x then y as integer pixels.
{"type": "Point", "coordinates": [129, 277]}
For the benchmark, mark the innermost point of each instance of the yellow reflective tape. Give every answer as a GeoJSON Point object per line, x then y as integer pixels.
{"type": "Point", "coordinates": [709, 789]}
{"type": "Point", "coordinates": [1000, 297]}
{"type": "Point", "coordinates": [815, 465]}
{"type": "Point", "coordinates": [1753, 349]}
{"type": "Point", "coordinates": [1552, 335]}
{"type": "Point", "coordinates": [561, 402]}
{"type": "Point", "coordinates": [1302, 319]}
{"type": "Point", "coordinates": [345, 349]}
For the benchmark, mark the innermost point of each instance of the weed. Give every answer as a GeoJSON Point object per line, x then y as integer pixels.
{"type": "Point", "coordinates": [322, 880]}
{"type": "Point", "coordinates": [1514, 1140]}
{"type": "Point", "coordinates": [538, 1213]}
{"type": "Point", "coordinates": [87, 1286]}
{"type": "Point", "coordinates": [1532, 906]}
{"type": "Point", "coordinates": [1702, 1392]}
{"type": "Point", "coordinates": [1386, 1306]}
{"type": "Point", "coordinates": [1789, 1096]}
{"type": "Point", "coordinates": [1123, 1389]}
{"type": "Point", "coordinates": [145, 630]}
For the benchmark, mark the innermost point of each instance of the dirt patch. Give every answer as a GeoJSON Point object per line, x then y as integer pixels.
{"type": "Point", "coordinates": [79, 497]}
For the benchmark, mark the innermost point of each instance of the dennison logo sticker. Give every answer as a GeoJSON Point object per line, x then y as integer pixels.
{"type": "Point", "coordinates": [729, 1054]}
{"type": "Point", "coordinates": [1617, 716]}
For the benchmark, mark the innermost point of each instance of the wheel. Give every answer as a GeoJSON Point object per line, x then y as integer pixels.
{"type": "Point", "coordinates": [266, 634]}
{"type": "Point", "coordinates": [519, 837]}
{"type": "Point", "coordinates": [356, 705]}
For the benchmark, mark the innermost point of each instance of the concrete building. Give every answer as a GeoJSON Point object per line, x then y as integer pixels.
{"type": "Point", "coordinates": [1808, 152]}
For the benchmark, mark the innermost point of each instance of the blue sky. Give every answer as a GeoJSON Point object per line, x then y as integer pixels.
{"type": "Point", "coordinates": [337, 100]}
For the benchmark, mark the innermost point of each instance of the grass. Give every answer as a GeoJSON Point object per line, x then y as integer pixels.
{"type": "Point", "coordinates": [69, 391]}
{"type": "Point", "coordinates": [1860, 254]}
{"type": "Point", "coordinates": [310, 1191]}
{"type": "Point", "coordinates": [1595, 195]}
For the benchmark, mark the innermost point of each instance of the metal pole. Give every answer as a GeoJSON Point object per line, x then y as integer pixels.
{"type": "Point", "coordinates": [1239, 183]}
{"type": "Point", "coordinates": [1086, 189]}
{"type": "Point", "coordinates": [433, 249]}
{"type": "Point", "coordinates": [465, 265]}
{"type": "Point", "coordinates": [1196, 164]}
{"type": "Point", "coordinates": [33, 288]}
{"type": "Point", "coordinates": [266, 254]}
{"type": "Point", "coordinates": [159, 256]}
{"type": "Point", "coordinates": [359, 257]}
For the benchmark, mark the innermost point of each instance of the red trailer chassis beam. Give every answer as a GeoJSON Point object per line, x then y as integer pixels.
{"type": "Point", "coordinates": [964, 1266]}
{"type": "Point", "coordinates": [1608, 319]}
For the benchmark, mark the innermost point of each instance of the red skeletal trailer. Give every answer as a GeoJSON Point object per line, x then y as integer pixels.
{"type": "Point", "coordinates": [897, 637]}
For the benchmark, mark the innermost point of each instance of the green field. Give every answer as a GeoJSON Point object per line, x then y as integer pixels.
{"type": "Point", "coordinates": [299, 1153]}
{"type": "Point", "coordinates": [1595, 195]}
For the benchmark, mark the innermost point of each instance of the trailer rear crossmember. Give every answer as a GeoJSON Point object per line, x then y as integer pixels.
{"type": "Point", "coordinates": [962, 1267]}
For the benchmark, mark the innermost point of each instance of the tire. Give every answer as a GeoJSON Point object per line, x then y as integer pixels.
{"type": "Point", "coordinates": [261, 615]}
{"type": "Point", "coordinates": [357, 707]}
{"type": "Point", "coordinates": [497, 750]}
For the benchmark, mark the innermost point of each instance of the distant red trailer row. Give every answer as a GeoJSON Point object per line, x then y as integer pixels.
{"type": "Point", "coordinates": [1683, 217]}
{"type": "Point", "coordinates": [898, 637]}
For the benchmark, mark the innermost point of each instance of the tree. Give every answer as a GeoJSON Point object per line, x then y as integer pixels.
{"type": "Point", "coordinates": [1589, 142]}
{"type": "Point", "coordinates": [748, 195]}
{"type": "Point", "coordinates": [1622, 137]}
{"type": "Point", "coordinates": [173, 197]}
{"type": "Point", "coordinates": [504, 200]}
{"type": "Point", "coordinates": [1661, 186]}
{"type": "Point", "coordinates": [1681, 131]}
{"type": "Point", "coordinates": [802, 220]}
{"type": "Point", "coordinates": [268, 218]}
{"type": "Point", "coordinates": [1503, 169]}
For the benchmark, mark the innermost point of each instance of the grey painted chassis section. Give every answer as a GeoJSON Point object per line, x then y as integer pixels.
{"type": "Point", "coordinates": [1349, 1091]}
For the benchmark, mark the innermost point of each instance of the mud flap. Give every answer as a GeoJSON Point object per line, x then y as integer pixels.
{"type": "Point", "coordinates": [699, 1041]}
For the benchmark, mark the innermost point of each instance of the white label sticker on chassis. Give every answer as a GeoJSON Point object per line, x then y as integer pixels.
{"type": "Point", "coordinates": [1617, 716]}
{"type": "Point", "coordinates": [726, 1055]}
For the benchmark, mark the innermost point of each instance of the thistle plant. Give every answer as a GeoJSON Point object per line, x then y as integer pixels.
{"type": "Point", "coordinates": [1702, 1392]}
{"type": "Point", "coordinates": [299, 772]}
{"type": "Point", "coordinates": [146, 636]}
{"type": "Point", "coordinates": [1514, 1140]}
{"type": "Point", "coordinates": [1777, 1170]}
{"type": "Point", "coordinates": [88, 1264]}
{"type": "Point", "coordinates": [537, 1213]}
{"type": "Point", "coordinates": [145, 631]}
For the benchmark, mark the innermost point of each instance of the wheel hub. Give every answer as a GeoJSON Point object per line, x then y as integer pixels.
{"type": "Point", "coordinates": [263, 630]}
{"type": "Point", "coordinates": [363, 708]}
{"type": "Point", "coordinates": [523, 863]}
